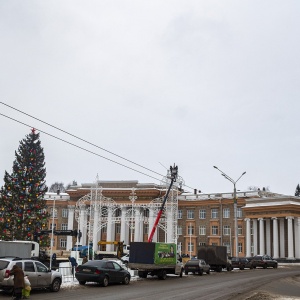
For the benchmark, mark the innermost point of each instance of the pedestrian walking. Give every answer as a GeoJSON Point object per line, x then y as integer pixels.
{"type": "Point", "coordinates": [19, 284]}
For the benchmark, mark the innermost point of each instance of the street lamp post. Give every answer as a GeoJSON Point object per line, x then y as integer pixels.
{"type": "Point", "coordinates": [52, 230]}
{"type": "Point", "coordinates": [234, 207]}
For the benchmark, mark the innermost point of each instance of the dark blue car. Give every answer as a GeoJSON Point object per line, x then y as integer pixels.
{"type": "Point", "coordinates": [103, 272]}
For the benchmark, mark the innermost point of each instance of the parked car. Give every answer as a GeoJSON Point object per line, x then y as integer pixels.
{"type": "Point", "coordinates": [196, 266]}
{"type": "Point", "coordinates": [125, 259]}
{"type": "Point", "coordinates": [39, 275]}
{"type": "Point", "coordinates": [103, 272]}
{"type": "Point", "coordinates": [264, 261]}
{"type": "Point", "coordinates": [241, 263]}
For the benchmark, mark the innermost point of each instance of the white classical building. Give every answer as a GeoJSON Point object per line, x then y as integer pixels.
{"type": "Point", "coordinates": [273, 226]}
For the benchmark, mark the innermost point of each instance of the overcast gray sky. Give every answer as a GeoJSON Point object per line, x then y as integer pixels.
{"type": "Point", "coordinates": [195, 83]}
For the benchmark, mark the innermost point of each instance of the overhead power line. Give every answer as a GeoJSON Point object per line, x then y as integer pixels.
{"type": "Point", "coordinates": [92, 144]}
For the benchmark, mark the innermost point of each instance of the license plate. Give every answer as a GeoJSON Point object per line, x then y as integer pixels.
{"type": "Point", "coordinates": [86, 270]}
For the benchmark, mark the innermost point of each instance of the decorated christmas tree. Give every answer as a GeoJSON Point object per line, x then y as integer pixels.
{"type": "Point", "coordinates": [22, 206]}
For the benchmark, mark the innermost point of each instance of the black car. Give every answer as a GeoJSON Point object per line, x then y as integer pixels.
{"type": "Point", "coordinates": [264, 261]}
{"type": "Point", "coordinates": [196, 266]}
{"type": "Point", "coordinates": [103, 272]}
{"type": "Point", "coordinates": [241, 263]}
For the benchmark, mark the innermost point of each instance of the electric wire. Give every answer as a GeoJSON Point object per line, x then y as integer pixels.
{"type": "Point", "coordinates": [72, 144]}
{"type": "Point", "coordinates": [110, 152]}
{"type": "Point", "coordinates": [86, 150]}
{"type": "Point", "coordinates": [81, 139]}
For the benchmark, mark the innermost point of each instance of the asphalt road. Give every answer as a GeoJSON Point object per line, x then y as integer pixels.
{"type": "Point", "coordinates": [283, 282]}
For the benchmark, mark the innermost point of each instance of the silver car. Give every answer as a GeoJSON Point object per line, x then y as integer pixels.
{"type": "Point", "coordinates": [39, 275]}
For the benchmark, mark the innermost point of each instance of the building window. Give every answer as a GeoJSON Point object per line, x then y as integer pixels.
{"type": "Point", "coordinates": [64, 226]}
{"type": "Point", "coordinates": [118, 228]}
{"type": "Point", "coordinates": [240, 247]}
{"type": "Point", "coordinates": [240, 229]}
{"type": "Point", "coordinates": [179, 214]}
{"type": "Point", "coordinates": [214, 213]}
{"type": "Point", "coordinates": [52, 242]}
{"type": "Point", "coordinates": [251, 229]}
{"type": "Point", "coordinates": [214, 230]}
{"type": "Point", "coordinates": [202, 230]}
{"type": "Point", "coordinates": [190, 247]}
{"type": "Point", "coordinates": [65, 213]}
{"type": "Point", "coordinates": [226, 230]}
{"type": "Point", "coordinates": [190, 230]}
{"type": "Point", "coordinates": [146, 213]}
{"type": "Point", "coordinates": [118, 212]}
{"type": "Point", "coordinates": [227, 246]}
{"type": "Point", "coordinates": [104, 229]}
{"type": "Point", "coordinates": [202, 244]}
{"type": "Point", "coordinates": [54, 226]}
{"type": "Point", "coordinates": [179, 247]}
{"type": "Point", "coordinates": [55, 212]}
{"type": "Point", "coordinates": [239, 213]}
{"type": "Point", "coordinates": [252, 248]}
{"type": "Point", "coordinates": [202, 214]}
{"type": "Point", "coordinates": [190, 214]}
{"type": "Point", "coordinates": [226, 213]}
{"type": "Point", "coordinates": [179, 230]}
{"type": "Point", "coordinates": [63, 243]}
{"type": "Point", "coordinates": [146, 228]}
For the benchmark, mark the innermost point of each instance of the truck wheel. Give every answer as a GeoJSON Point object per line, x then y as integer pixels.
{"type": "Point", "coordinates": [200, 272]}
{"type": "Point", "coordinates": [142, 274]}
{"type": "Point", "coordinates": [219, 269]}
{"type": "Point", "coordinates": [82, 282]}
{"type": "Point", "coordinates": [162, 275]}
{"type": "Point", "coordinates": [180, 275]}
{"type": "Point", "coordinates": [186, 272]}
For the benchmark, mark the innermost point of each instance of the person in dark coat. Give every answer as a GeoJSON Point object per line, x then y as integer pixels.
{"type": "Point", "coordinates": [18, 274]}
{"type": "Point", "coordinates": [73, 262]}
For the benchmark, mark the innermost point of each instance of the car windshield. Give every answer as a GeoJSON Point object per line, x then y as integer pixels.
{"type": "Point", "coordinates": [95, 263]}
{"type": "Point", "coordinates": [192, 262]}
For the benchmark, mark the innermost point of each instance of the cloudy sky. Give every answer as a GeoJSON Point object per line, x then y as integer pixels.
{"type": "Point", "coordinates": [195, 83]}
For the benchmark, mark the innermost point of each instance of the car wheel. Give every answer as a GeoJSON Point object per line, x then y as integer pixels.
{"type": "Point", "coordinates": [186, 272]}
{"type": "Point", "coordinates": [82, 282]}
{"type": "Point", "coordinates": [180, 275]}
{"type": "Point", "coordinates": [55, 286]}
{"type": "Point", "coordinates": [200, 272]}
{"type": "Point", "coordinates": [105, 281]}
{"type": "Point", "coordinates": [241, 268]}
{"type": "Point", "coordinates": [275, 267]}
{"type": "Point", "coordinates": [265, 266]}
{"type": "Point", "coordinates": [126, 280]}
{"type": "Point", "coordinates": [208, 272]}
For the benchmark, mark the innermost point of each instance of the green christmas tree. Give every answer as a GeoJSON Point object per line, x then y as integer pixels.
{"type": "Point", "coordinates": [297, 192]}
{"type": "Point", "coordinates": [22, 205]}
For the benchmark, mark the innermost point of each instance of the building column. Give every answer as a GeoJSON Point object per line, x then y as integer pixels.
{"type": "Point", "coordinates": [96, 229]}
{"type": "Point", "coordinates": [151, 224]}
{"type": "Point", "coordinates": [297, 237]}
{"type": "Point", "coordinates": [248, 237]}
{"type": "Point", "coordinates": [255, 237]}
{"type": "Point", "coordinates": [123, 225]}
{"type": "Point", "coordinates": [109, 232]}
{"type": "Point", "coordinates": [282, 238]}
{"type": "Point", "coordinates": [71, 210]}
{"type": "Point", "coordinates": [137, 225]}
{"type": "Point", "coordinates": [268, 236]}
{"type": "Point", "coordinates": [275, 238]}
{"type": "Point", "coordinates": [261, 237]}
{"type": "Point", "coordinates": [82, 224]}
{"type": "Point", "coordinates": [290, 238]}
